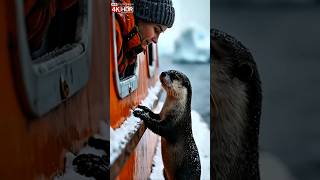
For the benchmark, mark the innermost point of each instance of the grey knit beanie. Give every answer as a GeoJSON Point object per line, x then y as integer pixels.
{"type": "Point", "coordinates": [155, 11]}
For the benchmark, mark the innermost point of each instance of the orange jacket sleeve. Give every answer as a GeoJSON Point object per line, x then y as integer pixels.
{"type": "Point", "coordinates": [38, 17]}
{"type": "Point", "coordinates": [128, 41]}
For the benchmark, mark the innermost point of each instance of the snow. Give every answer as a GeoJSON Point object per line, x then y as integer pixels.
{"type": "Point", "coordinates": [119, 137]}
{"type": "Point", "coordinates": [201, 134]}
{"type": "Point", "coordinates": [70, 170]}
{"type": "Point", "coordinates": [70, 173]}
{"type": "Point", "coordinates": [157, 169]}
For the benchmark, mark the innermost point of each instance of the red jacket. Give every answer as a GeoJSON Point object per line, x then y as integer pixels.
{"type": "Point", "coordinates": [128, 40]}
{"type": "Point", "coordinates": [38, 17]}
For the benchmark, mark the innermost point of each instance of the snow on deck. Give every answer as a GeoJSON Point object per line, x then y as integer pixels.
{"type": "Point", "coordinates": [201, 134]}
{"type": "Point", "coordinates": [70, 173]}
{"type": "Point", "coordinates": [70, 170]}
{"type": "Point", "coordinates": [157, 164]}
{"type": "Point", "coordinates": [119, 137]}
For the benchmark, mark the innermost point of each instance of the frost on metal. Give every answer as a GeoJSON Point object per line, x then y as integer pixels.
{"type": "Point", "coordinates": [119, 137]}
{"type": "Point", "coordinates": [201, 134]}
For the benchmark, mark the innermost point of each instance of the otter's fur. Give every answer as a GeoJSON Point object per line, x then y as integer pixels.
{"type": "Point", "coordinates": [235, 110]}
{"type": "Point", "coordinates": [179, 151]}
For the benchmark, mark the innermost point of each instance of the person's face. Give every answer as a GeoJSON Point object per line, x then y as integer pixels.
{"type": "Point", "coordinates": [150, 32]}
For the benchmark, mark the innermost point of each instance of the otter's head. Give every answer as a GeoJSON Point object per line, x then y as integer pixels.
{"type": "Point", "coordinates": [235, 80]}
{"type": "Point", "coordinates": [176, 84]}
{"type": "Point", "coordinates": [235, 107]}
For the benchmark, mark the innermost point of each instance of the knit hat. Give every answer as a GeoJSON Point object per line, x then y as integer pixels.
{"type": "Point", "coordinates": [155, 11]}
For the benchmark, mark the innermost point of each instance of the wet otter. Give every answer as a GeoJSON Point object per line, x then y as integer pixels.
{"type": "Point", "coordinates": [235, 110]}
{"type": "Point", "coordinates": [179, 151]}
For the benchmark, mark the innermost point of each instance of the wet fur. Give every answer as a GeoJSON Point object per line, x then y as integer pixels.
{"type": "Point", "coordinates": [235, 110]}
{"type": "Point", "coordinates": [179, 151]}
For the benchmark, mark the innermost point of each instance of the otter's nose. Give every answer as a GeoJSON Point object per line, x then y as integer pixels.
{"type": "Point", "coordinates": [163, 74]}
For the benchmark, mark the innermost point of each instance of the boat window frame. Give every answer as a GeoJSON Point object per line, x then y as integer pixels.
{"type": "Point", "coordinates": [127, 85]}
{"type": "Point", "coordinates": [47, 81]}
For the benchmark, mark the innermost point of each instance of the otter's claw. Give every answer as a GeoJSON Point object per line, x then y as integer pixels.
{"type": "Point", "coordinates": [140, 114]}
{"type": "Point", "coordinates": [144, 108]}
{"type": "Point", "coordinates": [137, 113]}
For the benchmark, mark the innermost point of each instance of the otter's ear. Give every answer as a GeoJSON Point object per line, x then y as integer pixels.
{"type": "Point", "coordinates": [218, 50]}
{"type": "Point", "coordinates": [244, 71]}
{"type": "Point", "coordinates": [186, 84]}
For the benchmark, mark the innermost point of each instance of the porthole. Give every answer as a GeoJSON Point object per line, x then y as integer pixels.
{"type": "Point", "coordinates": [58, 66]}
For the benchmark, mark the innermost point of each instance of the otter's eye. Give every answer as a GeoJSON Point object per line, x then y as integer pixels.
{"type": "Point", "coordinates": [156, 30]}
{"type": "Point", "coordinates": [173, 76]}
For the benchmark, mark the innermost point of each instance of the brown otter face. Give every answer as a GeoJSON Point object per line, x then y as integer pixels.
{"type": "Point", "coordinates": [175, 83]}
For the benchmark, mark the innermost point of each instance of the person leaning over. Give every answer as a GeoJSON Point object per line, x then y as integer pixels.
{"type": "Point", "coordinates": [134, 31]}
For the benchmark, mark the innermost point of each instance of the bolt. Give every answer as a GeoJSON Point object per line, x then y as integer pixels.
{"type": "Point", "coordinates": [64, 88]}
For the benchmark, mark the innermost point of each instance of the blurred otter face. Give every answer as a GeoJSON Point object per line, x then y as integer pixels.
{"type": "Point", "coordinates": [149, 32]}
{"type": "Point", "coordinates": [175, 83]}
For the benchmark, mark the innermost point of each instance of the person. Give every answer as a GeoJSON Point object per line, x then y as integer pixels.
{"type": "Point", "coordinates": [39, 15]}
{"type": "Point", "coordinates": [135, 31]}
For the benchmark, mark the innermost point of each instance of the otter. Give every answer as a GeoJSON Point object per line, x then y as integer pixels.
{"type": "Point", "coordinates": [179, 151]}
{"type": "Point", "coordinates": [235, 109]}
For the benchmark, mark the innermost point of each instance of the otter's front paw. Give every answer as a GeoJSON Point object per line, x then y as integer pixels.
{"type": "Point", "coordinates": [144, 108]}
{"type": "Point", "coordinates": [137, 113]}
{"type": "Point", "coordinates": [141, 114]}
